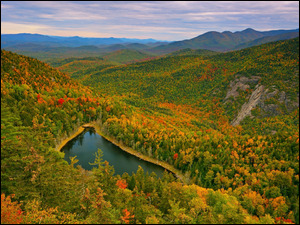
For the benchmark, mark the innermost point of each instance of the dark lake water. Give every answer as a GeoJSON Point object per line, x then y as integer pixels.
{"type": "Point", "coordinates": [85, 145]}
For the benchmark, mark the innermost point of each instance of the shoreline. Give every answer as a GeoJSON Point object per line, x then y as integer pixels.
{"type": "Point", "coordinates": [66, 140]}
{"type": "Point", "coordinates": [127, 149]}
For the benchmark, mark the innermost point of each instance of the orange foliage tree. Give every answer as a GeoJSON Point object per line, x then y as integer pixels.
{"type": "Point", "coordinates": [127, 217]}
{"type": "Point", "coordinates": [11, 212]}
{"type": "Point", "coordinates": [121, 184]}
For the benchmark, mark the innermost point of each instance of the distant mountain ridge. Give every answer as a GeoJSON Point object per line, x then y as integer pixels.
{"type": "Point", "coordinates": [267, 39]}
{"type": "Point", "coordinates": [41, 46]}
{"type": "Point", "coordinates": [57, 41]}
{"type": "Point", "coordinates": [224, 41]}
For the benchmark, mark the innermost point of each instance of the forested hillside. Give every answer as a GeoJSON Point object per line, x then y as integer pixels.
{"type": "Point", "coordinates": [194, 100]}
{"type": "Point", "coordinates": [177, 109]}
{"type": "Point", "coordinates": [77, 67]}
{"type": "Point", "coordinates": [192, 78]}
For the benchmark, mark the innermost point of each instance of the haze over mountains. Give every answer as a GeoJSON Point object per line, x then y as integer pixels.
{"type": "Point", "coordinates": [215, 41]}
{"type": "Point", "coordinates": [58, 41]}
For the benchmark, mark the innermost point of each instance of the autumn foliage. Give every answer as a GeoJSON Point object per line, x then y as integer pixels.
{"type": "Point", "coordinates": [175, 156]}
{"type": "Point", "coordinates": [11, 212]}
{"type": "Point", "coordinates": [122, 184]}
{"type": "Point", "coordinates": [174, 112]}
{"type": "Point", "coordinates": [282, 220]}
{"type": "Point", "coordinates": [60, 101]}
{"type": "Point", "coordinates": [126, 218]}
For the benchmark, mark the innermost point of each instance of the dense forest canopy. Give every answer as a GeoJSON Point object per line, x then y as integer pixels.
{"type": "Point", "coordinates": [178, 109]}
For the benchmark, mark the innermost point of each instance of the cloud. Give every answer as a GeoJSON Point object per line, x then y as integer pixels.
{"type": "Point", "coordinates": [14, 28]}
{"type": "Point", "coordinates": [70, 15]}
{"type": "Point", "coordinates": [5, 6]}
{"type": "Point", "coordinates": [175, 20]}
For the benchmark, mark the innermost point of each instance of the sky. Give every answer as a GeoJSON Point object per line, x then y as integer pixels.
{"type": "Point", "coordinates": [160, 20]}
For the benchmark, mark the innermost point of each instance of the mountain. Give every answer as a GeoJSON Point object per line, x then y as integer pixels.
{"type": "Point", "coordinates": [78, 67]}
{"type": "Point", "coordinates": [126, 56]}
{"type": "Point", "coordinates": [16, 39]}
{"type": "Point", "coordinates": [196, 102]}
{"type": "Point", "coordinates": [229, 122]}
{"type": "Point", "coordinates": [138, 46]}
{"type": "Point", "coordinates": [44, 47]}
{"type": "Point", "coordinates": [266, 39]}
{"type": "Point", "coordinates": [184, 78]}
{"type": "Point", "coordinates": [277, 32]}
{"type": "Point", "coordinates": [224, 41]}
{"type": "Point", "coordinates": [188, 51]}
{"type": "Point", "coordinates": [55, 41]}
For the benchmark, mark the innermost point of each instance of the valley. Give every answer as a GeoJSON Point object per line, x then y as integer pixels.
{"type": "Point", "coordinates": [226, 121]}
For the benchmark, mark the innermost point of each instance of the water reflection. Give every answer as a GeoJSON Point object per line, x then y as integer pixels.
{"type": "Point", "coordinates": [88, 142]}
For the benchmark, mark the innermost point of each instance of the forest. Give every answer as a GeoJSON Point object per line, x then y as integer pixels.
{"type": "Point", "coordinates": [176, 108]}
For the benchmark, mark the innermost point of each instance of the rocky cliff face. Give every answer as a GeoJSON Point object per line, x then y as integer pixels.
{"type": "Point", "coordinates": [254, 99]}
{"type": "Point", "coordinates": [270, 101]}
{"type": "Point", "coordinates": [242, 83]}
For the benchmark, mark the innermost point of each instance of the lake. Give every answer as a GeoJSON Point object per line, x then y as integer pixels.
{"type": "Point", "coordinates": [86, 144]}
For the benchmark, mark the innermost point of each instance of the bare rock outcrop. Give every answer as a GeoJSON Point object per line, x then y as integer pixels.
{"type": "Point", "coordinates": [248, 106]}
{"type": "Point", "coordinates": [242, 83]}
{"type": "Point", "coordinates": [259, 97]}
{"type": "Point", "coordinates": [269, 99]}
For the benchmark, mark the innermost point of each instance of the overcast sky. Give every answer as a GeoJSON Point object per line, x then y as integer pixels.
{"type": "Point", "coordinates": [161, 20]}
